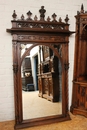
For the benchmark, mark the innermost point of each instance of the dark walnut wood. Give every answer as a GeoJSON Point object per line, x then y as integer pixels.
{"type": "Point", "coordinates": [49, 75]}
{"type": "Point", "coordinates": [49, 33]}
{"type": "Point", "coordinates": [79, 96]}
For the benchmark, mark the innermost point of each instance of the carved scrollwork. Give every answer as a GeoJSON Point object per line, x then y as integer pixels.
{"type": "Point", "coordinates": [39, 38]}
{"type": "Point", "coordinates": [40, 25]}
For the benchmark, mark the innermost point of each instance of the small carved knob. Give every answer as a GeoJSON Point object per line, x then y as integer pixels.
{"type": "Point", "coordinates": [22, 17]}
{"type": "Point", "coordinates": [14, 15]}
{"type": "Point", "coordinates": [66, 19]}
{"type": "Point", "coordinates": [29, 15]}
{"type": "Point", "coordinates": [54, 17]}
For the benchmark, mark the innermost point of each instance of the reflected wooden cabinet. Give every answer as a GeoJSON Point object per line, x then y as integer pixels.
{"type": "Point", "coordinates": [79, 96]}
{"type": "Point", "coordinates": [48, 86]}
{"type": "Point", "coordinates": [48, 76]}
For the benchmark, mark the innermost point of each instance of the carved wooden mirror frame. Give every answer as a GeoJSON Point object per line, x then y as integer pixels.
{"type": "Point", "coordinates": [39, 32]}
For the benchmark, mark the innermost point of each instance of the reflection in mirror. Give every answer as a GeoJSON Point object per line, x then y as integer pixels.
{"type": "Point", "coordinates": [41, 75]}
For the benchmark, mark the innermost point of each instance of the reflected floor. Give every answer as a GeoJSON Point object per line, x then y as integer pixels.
{"type": "Point", "coordinates": [34, 106]}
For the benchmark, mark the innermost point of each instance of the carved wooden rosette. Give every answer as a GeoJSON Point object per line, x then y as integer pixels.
{"type": "Point", "coordinates": [51, 33]}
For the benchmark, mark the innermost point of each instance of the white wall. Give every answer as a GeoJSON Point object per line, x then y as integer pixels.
{"type": "Point", "coordinates": [61, 8]}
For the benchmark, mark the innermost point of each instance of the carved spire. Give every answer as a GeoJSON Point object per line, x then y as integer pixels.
{"type": "Point", "coordinates": [14, 15]}
{"type": "Point", "coordinates": [54, 17]}
{"type": "Point", "coordinates": [42, 13]}
{"type": "Point", "coordinates": [60, 20]}
{"type": "Point", "coordinates": [82, 8]}
{"type": "Point", "coordinates": [22, 17]}
{"type": "Point", "coordinates": [35, 18]}
{"type": "Point", "coordinates": [29, 15]}
{"type": "Point", "coordinates": [66, 19]}
{"type": "Point", "coordinates": [48, 19]}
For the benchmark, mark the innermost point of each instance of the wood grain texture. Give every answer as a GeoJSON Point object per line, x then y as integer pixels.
{"type": "Point", "coordinates": [77, 123]}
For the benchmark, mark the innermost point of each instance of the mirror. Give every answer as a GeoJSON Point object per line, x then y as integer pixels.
{"type": "Point", "coordinates": [40, 69]}
{"type": "Point", "coordinates": [41, 76]}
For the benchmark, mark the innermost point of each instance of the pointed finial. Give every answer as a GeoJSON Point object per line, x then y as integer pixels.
{"type": "Point", "coordinates": [82, 8]}
{"type": "Point", "coordinates": [66, 19]}
{"type": "Point", "coordinates": [54, 17]}
{"type": "Point", "coordinates": [29, 15]}
{"type": "Point", "coordinates": [48, 19]}
{"type": "Point", "coordinates": [35, 18]}
{"type": "Point", "coordinates": [60, 20]}
{"type": "Point", "coordinates": [42, 13]}
{"type": "Point", "coordinates": [22, 17]}
{"type": "Point", "coordinates": [14, 15]}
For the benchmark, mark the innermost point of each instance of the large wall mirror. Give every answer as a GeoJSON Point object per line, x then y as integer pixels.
{"type": "Point", "coordinates": [40, 68]}
{"type": "Point", "coordinates": [41, 87]}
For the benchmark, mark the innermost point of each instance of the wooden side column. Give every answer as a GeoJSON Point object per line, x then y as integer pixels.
{"type": "Point", "coordinates": [15, 74]}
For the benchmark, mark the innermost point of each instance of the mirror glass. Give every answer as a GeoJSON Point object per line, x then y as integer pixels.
{"type": "Point", "coordinates": [41, 80]}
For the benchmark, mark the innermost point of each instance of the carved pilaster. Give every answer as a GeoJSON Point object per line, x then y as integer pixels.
{"type": "Point", "coordinates": [15, 70]}
{"type": "Point", "coordinates": [66, 66]}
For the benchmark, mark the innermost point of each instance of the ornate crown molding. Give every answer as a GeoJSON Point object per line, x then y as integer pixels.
{"type": "Point", "coordinates": [39, 24]}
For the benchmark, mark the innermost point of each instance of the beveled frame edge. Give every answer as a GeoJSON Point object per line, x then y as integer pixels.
{"type": "Point", "coordinates": [26, 124]}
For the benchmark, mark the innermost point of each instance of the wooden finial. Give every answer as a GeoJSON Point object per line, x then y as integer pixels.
{"type": "Point", "coordinates": [22, 17]}
{"type": "Point", "coordinates": [82, 8]}
{"type": "Point", "coordinates": [66, 19]}
{"type": "Point", "coordinates": [35, 18]}
{"type": "Point", "coordinates": [29, 15]}
{"type": "Point", "coordinates": [54, 17]}
{"type": "Point", "coordinates": [42, 13]}
{"type": "Point", "coordinates": [60, 20]}
{"type": "Point", "coordinates": [48, 19]}
{"type": "Point", "coordinates": [14, 15]}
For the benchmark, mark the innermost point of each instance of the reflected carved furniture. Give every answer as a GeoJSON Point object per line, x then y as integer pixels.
{"type": "Point", "coordinates": [79, 95]}
{"type": "Point", "coordinates": [48, 86]}
{"type": "Point", "coordinates": [42, 32]}
{"type": "Point", "coordinates": [48, 76]}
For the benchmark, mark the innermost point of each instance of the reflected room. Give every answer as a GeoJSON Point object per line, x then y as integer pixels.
{"type": "Point", "coordinates": [41, 80]}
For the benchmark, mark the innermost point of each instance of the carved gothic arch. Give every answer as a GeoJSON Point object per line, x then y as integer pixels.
{"type": "Point", "coordinates": [56, 53]}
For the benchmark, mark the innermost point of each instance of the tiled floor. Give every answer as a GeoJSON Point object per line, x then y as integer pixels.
{"type": "Point", "coordinates": [77, 123]}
